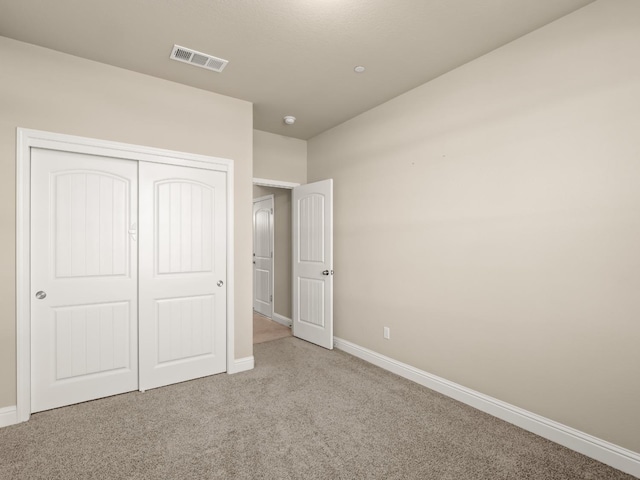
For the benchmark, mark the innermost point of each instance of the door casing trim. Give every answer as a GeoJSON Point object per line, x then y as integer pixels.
{"type": "Point", "coordinates": [263, 182]}
{"type": "Point", "coordinates": [27, 139]}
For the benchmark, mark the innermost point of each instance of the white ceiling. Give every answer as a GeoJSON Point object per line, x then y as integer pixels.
{"type": "Point", "coordinates": [288, 57]}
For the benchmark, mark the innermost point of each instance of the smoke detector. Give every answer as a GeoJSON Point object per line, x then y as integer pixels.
{"type": "Point", "coordinates": [289, 119]}
{"type": "Point", "coordinates": [198, 59]}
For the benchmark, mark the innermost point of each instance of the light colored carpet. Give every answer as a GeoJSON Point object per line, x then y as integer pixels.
{"type": "Point", "coordinates": [266, 330]}
{"type": "Point", "coordinates": [302, 413]}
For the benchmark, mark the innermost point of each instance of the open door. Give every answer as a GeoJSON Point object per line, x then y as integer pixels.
{"type": "Point", "coordinates": [312, 206]}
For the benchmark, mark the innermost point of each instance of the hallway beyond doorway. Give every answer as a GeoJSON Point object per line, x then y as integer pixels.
{"type": "Point", "coordinates": [266, 330]}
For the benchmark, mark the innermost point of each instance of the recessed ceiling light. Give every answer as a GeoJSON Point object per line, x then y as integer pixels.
{"type": "Point", "coordinates": [289, 119]}
{"type": "Point", "coordinates": [359, 69]}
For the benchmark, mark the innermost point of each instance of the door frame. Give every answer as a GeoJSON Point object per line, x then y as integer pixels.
{"type": "Point", "coordinates": [264, 182]}
{"type": "Point", "coordinates": [273, 251]}
{"type": "Point", "coordinates": [27, 139]}
{"type": "Point", "coordinates": [285, 185]}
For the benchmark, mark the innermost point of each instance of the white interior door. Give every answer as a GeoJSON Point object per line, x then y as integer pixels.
{"type": "Point", "coordinates": [263, 256]}
{"type": "Point", "coordinates": [313, 262]}
{"type": "Point", "coordinates": [183, 273]}
{"type": "Point", "coordinates": [83, 278]}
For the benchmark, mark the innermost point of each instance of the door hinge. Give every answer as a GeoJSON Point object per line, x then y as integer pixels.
{"type": "Point", "coordinates": [272, 211]}
{"type": "Point", "coordinates": [271, 254]}
{"type": "Point", "coordinates": [271, 298]}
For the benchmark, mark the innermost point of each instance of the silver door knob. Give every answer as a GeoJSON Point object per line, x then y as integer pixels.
{"type": "Point", "coordinates": [41, 295]}
{"type": "Point", "coordinates": [326, 272]}
{"type": "Point", "coordinates": [220, 283]}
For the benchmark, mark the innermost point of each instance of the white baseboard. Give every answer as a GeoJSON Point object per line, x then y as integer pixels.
{"type": "Point", "coordinates": [8, 416]}
{"type": "Point", "coordinates": [601, 450]}
{"type": "Point", "coordinates": [241, 365]}
{"type": "Point", "coordinates": [281, 319]}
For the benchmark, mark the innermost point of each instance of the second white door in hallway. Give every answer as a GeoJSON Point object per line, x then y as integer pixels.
{"type": "Point", "coordinates": [263, 239]}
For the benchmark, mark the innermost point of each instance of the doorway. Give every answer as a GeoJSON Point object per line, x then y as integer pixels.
{"type": "Point", "coordinates": [309, 238]}
{"type": "Point", "coordinates": [281, 286]}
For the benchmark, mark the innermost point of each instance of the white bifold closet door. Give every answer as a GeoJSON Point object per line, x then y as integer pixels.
{"type": "Point", "coordinates": [116, 307]}
{"type": "Point", "coordinates": [84, 268]}
{"type": "Point", "coordinates": [182, 274]}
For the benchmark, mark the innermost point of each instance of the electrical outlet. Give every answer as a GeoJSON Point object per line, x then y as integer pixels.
{"type": "Point", "coordinates": [386, 333]}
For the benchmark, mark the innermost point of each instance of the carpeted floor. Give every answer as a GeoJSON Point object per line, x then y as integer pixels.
{"type": "Point", "coordinates": [266, 330]}
{"type": "Point", "coordinates": [302, 413]}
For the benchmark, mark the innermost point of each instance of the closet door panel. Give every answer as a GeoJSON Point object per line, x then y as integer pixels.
{"type": "Point", "coordinates": [84, 278]}
{"type": "Point", "coordinates": [182, 273]}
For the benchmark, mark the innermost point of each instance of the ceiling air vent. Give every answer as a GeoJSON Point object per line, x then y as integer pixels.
{"type": "Point", "coordinates": [198, 59]}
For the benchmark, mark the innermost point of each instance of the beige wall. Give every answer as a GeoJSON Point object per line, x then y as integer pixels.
{"type": "Point", "coordinates": [279, 158]}
{"type": "Point", "coordinates": [46, 90]}
{"type": "Point", "coordinates": [491, 219]}
{"type": "Point", "coordinates": [284, 159]}
{"type": "Point", "coordinates": [282, 249]}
